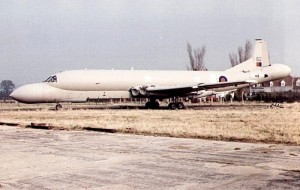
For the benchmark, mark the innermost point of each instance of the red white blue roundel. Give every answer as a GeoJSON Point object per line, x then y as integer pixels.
{"type": "Point", "coordinates": [222, 79]}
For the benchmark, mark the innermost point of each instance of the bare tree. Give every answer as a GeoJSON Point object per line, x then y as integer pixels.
{"type": "Point", "coordinates": [196, 58]}
{"type": "Point", "coordinates": [243, 54]}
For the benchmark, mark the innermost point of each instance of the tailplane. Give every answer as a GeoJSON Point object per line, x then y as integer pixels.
{"type": "Point", "coordinates": [259, 59]}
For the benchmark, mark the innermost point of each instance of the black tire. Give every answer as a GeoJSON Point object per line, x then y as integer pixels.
{"type": "Point", "coordinates": [58, 107]}
{"type": "Point", "coordinates": [172, 106]}
{"type": "Point", "coordinates": [155, 105]}
{"type": "Point", "coordinates": [180, 105]}
{"type": "Point", "coordinates": [148, 105]}
{"type": "Point", "coordinates": [152, 105]}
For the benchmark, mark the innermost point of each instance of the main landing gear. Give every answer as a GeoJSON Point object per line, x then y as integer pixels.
{"type": "Point", "coordinates": [152, 104]}
{"type": "Point", "coordinates": [175, 104]}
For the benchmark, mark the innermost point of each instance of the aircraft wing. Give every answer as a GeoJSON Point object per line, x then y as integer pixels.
{"type": "Point", "coordinates": [182, 90]}
{"type": "Point", "coordinates": [170, 90]}
{"type": "Point", "coordinates": [224, 84]}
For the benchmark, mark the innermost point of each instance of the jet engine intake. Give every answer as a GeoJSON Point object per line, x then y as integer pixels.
{"type": "Point", "coordinates": [135, 92]}
{"type": "Point", "coordinates": [139, 90]}
{"type": "Point", "coordinates": [143, 91]}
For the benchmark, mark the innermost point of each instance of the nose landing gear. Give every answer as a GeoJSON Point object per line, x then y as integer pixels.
{"type": "Point", "coordinates": [58, 107]}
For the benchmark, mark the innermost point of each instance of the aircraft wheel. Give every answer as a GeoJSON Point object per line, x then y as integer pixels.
{"type": "Point", "coordinates": [180, 105]}
{"type": "Point", "coordinates": [155, 105]}
{"type": "Point", "coordinates": [148, 105]}
{"type": "Point", "coordinates": [152, 105]}
{"type": "Point", "coordinates": [58, 107]}
{"type": "Point", "coordinates": [172, 106]}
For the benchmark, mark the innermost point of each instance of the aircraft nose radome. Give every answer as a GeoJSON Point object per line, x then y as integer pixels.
{"type": "Point", "coordinates": [13, 95]}
{"type": "Point", "coordinates": [31, 93]}
{"type": "Point", "coordinates": [16, 94]}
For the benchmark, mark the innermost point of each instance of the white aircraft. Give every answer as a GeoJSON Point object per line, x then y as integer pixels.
{"type": "Point", "coordinates": [85, 85]}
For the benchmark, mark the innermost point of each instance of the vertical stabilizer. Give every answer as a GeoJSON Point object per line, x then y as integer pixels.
{"type": "Point", "coordinates": [260, 54]}
{"type": "Point", "coordinates": [259, 59]}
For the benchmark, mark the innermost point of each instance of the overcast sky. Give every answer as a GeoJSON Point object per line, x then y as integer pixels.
{"type": "Point", "coordinates": [42, 37]}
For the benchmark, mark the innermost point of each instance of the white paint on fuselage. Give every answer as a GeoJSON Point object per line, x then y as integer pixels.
{"type": "Point", "coordinates": [80, 85]}
{"type": "Point", "coordinates": [111, 80]}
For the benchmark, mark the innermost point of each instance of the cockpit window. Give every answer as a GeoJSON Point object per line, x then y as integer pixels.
{"type": "Point", "coordinates": [51, 79]}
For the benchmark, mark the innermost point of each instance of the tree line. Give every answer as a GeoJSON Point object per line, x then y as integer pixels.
{"type": "Point", "coordinates": [196, 56]}
{"type": "Point", "coordinates": [278, 97]}
{"type": "Point", "coordinates": [197, 63]}
{"type": "Point", "coordinates": [243, 53]}
{"type": "Point", "coordinates": [6, 87]}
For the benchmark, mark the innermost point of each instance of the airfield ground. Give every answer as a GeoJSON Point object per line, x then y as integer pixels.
{"type": "Point", "coordinates": [250, 122]}
{"type": "Point", "coordinates": [53, 159]}
{"type": "Point", "coordinates": [74, 158]}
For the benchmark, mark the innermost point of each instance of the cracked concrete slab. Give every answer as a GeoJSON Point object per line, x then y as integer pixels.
{"type": "Point", "coordinates": [53, 159]}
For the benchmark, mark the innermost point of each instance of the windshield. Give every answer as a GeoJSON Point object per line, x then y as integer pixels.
{"type": "Point", "coordinates": [51, 79]}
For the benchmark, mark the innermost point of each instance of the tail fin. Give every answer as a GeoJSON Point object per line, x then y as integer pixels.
{"type": "Point", "coordinates": [261, 55]}
{"type": "Point", "coordinates": [259, 59]}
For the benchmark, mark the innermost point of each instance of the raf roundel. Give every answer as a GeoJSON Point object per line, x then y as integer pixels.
{"type": "Point", "coordinates": [222, 79]}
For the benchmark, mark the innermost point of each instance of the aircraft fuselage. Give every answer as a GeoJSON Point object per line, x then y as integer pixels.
{"type": "Point", "coordinates": [81, 85]}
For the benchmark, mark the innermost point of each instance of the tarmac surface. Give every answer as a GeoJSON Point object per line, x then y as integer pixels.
{"type": "Point", "coordinates": [53, 159]}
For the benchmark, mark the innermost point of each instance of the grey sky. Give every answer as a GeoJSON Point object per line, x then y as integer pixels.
{"type": "Point", "coordinates": [42, 37]}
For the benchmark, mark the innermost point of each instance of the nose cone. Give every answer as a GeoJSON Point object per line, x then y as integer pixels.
{"type": "Point", "coordinates": [31, 93]}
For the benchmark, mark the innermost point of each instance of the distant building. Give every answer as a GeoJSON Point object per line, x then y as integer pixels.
{"type": "Point", "coordinates": [286, 84]}
{"type": "Point", "coordinates": [296, 84]}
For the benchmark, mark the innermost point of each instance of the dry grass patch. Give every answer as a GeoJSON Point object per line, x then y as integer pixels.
{"type": "Point", "coordinates": [235, 123]}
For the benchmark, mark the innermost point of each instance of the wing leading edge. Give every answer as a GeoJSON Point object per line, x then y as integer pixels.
{"type": "Point", "coordinates": [183, 90]}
